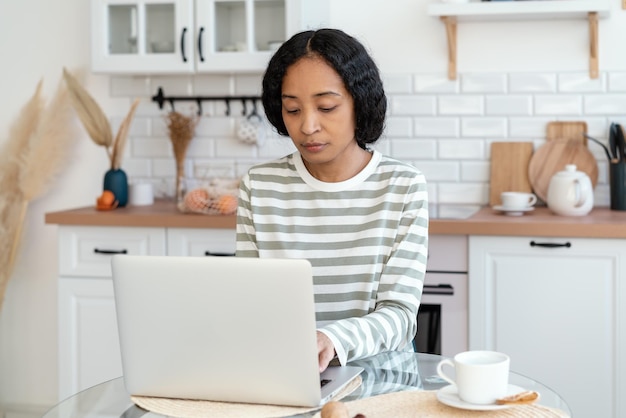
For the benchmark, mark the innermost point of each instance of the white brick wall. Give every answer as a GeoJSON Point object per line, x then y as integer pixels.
{"type": "Point", "coordinates": [444, 127]}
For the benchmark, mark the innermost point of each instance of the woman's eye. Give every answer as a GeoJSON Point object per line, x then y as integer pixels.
{"type": "Point", "coordinates": [291, 111]}
{"type": "Point", "coordinates": [327, 109]}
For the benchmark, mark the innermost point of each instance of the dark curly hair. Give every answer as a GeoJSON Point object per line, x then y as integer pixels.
{"type": "Point", "coordinates": [348, 57]}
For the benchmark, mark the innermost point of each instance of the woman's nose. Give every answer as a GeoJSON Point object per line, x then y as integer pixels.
{"type": "Point", "coordinates": [309, 123]}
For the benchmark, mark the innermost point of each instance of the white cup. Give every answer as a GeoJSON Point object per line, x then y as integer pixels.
{"type": "Point", "coordinates": [517, 200]}
{"type": "Point", "coordinates": [481, 376]}
{"type": "Point", "coordinates": [140, 194]}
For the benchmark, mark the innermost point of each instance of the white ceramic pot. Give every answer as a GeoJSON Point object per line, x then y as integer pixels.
{"type": "Point", "coordinates": [570, 192]}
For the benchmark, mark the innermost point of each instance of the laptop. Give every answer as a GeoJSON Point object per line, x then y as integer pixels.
{"type": "Point", "coordinates": [226, 329]}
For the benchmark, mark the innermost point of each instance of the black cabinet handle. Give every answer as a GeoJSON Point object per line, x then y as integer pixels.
{"type": "Point", "coordinates": [200, 44]}
{"type": "Point", "coordinates": [209, 253]}
{"type": "Point", "coordinates": [98, 251]}
{"type": "Point", "coordinates": [182, 44]}
{"type": "Point", "coordinates": [550, 244]}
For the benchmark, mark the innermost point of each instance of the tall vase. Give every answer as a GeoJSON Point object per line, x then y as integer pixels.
{"type": "Point", "coordinates": [116, 181]}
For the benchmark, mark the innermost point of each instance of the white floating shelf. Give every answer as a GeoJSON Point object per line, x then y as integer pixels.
{"type": "Point", "coordinates": [590, 10]}
{"type": "Point", "coordinates": [521, 10]}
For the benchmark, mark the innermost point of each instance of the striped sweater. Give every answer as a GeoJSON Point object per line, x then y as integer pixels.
{"type": "Point", "coordinates": [365, 237]}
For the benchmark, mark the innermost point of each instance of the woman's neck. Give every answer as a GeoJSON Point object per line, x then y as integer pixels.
{"type": "Point", "coordinates": [335, 171]}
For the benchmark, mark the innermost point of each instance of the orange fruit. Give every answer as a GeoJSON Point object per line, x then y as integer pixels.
{"type": "Point", "coordinates": [226, 204]}
{"type": "Point", "coordinates": [197, 200]}
{"type": "Point", "coordinates": [106, 201]}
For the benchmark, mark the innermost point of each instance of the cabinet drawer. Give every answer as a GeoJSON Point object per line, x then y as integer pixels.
{"type": "Point", "coordinates": [200, 242]}
{"type": "Point", "coordinates": [87, 251]}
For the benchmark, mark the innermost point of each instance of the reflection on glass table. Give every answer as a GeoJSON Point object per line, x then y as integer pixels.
{"type": "Point", "coordinates": [384, 373]}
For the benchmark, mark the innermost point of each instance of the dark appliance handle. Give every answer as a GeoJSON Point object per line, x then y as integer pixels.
{"type": "Point", "coordinates": [440, 289]}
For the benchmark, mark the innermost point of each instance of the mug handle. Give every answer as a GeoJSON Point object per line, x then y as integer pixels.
{"type": "Point", "coordinates": [533, 200]}
{"type": "Point", "coordinates": [442, 374]}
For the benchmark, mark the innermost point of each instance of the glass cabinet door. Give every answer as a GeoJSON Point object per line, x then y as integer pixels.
{"type": "Point", "coordinates": [160, 30]}
{"type": "Point", "coordinates": [269, 30]}
{"type": "Point", "coordinates": [122, 29]}
{"type": "Point", "coordinates": [142, 36]}
{"type": "Point", "coordinates": [239, 35]}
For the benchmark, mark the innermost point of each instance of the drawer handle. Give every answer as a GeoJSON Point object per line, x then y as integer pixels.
{"type": "Point", "coordinates": [549, 244]}
{"type": "Point", "coordinates": [209, 253]}
{"type": "Point", "coordinates": [98, 251]}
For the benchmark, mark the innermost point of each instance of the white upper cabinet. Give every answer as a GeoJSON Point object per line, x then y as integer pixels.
{"type": "Point", "coordinates": [238, 34]}
{"type": "Point", "coordinates": [187, 36]}
{"type": "Point", "coordinates": [154, 36]}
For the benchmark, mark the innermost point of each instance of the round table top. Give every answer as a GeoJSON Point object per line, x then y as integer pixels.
{"type": "Point", "coordinates": [384, 373]}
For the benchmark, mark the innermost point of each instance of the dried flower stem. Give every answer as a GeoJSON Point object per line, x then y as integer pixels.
{"type": "Point", "coordinates": [89, 112]}
{"type": "Point", "coordinates": [181, 131]}
{"type": "Point", "coordinates": [96, 122]}
{"type": "Point", "coordinates": [120, 138]}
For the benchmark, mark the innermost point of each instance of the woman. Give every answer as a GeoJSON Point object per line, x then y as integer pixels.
{"type": "Point", "coordinates": [359, 217]}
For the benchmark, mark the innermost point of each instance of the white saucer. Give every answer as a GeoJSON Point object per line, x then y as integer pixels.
{"type": "Point", "coordinates": [513, 212]}
{"type": "Point", "coordinates": [448, 395]}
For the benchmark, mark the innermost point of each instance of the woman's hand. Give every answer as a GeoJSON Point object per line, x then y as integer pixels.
{"type": "Point", "coordinates": [325, 350]}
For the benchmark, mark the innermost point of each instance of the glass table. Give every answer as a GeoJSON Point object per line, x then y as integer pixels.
{"type": "Point", "coordinates": [383, 373]}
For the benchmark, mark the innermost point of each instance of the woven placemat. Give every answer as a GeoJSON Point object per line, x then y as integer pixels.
{"type": "Point", "coordinates": [422, 404]}
{"type": "Point", "coordinates": [185, 408]}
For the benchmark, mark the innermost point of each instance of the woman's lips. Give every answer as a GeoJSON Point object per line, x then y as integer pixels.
{"type": "Point", "coordinates": [314, 147]}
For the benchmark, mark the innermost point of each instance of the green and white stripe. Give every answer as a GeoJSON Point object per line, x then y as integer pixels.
{"type": "Point", "coordinates": [366, 239]}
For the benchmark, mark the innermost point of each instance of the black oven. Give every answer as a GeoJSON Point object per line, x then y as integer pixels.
{"type": "Point", "coordinates": [442, 317]}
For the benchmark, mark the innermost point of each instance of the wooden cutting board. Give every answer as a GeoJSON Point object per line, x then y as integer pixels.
{"type": "Point", "coordinates": [567, 130]}
{"type": "Point", "coordinates": [509, 169]}
{"type": "Point", "coordinates": [553, 156]}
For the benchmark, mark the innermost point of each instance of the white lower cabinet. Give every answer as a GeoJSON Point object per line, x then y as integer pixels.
{"type": "Point", "coordinates": [200, 242]}
{"type": "Point", "coordinates": [88, 338]}
{"type": "Point", "coordinates": [555, 305]}
{"type": "Point", "coordinates": [89, 350]}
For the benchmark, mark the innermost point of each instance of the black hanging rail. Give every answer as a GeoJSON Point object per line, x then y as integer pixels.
{"type": "Point", "coordinates": [160, 98]}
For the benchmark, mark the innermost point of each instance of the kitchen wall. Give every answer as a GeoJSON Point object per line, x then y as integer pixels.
{"type": "Point", "coordinates": [444, 127]}
{"type": "Point", "coordinates": [514, 77]}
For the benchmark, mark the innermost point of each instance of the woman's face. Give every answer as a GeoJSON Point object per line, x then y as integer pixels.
{"type": "Point", "coordinates": [319, 116]}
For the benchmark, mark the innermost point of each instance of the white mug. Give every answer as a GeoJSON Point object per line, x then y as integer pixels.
{"type": "Point", "coordinates": [517, 200]}
{"type": "Point", "coordinates": [141, 194]}
{"type": "Point", "coordinates": [481, 376]}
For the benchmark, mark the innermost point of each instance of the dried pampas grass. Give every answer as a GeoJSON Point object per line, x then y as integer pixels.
{"type": "Point", "coordinates": [12, 155]}
{"type": "Point", "coordinates": [16, 146]}
{"type": "Point", "coordinates": [96, 122]}
{"type": "Point", "coordinates": [35, 153]}
{"type": "Point", "coordinates": [48, 147]}
{"type": "Point", "coordinates": [10, 209]}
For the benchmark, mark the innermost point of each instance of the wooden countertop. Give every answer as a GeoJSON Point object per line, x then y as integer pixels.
{"type": "Point", "coordinates": [162, 213]}
{"type": "Point", "coordinates": [600, 223]}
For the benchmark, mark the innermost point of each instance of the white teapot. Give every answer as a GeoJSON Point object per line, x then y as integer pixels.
{"type": "Point", "coordinates": [570, 192]}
